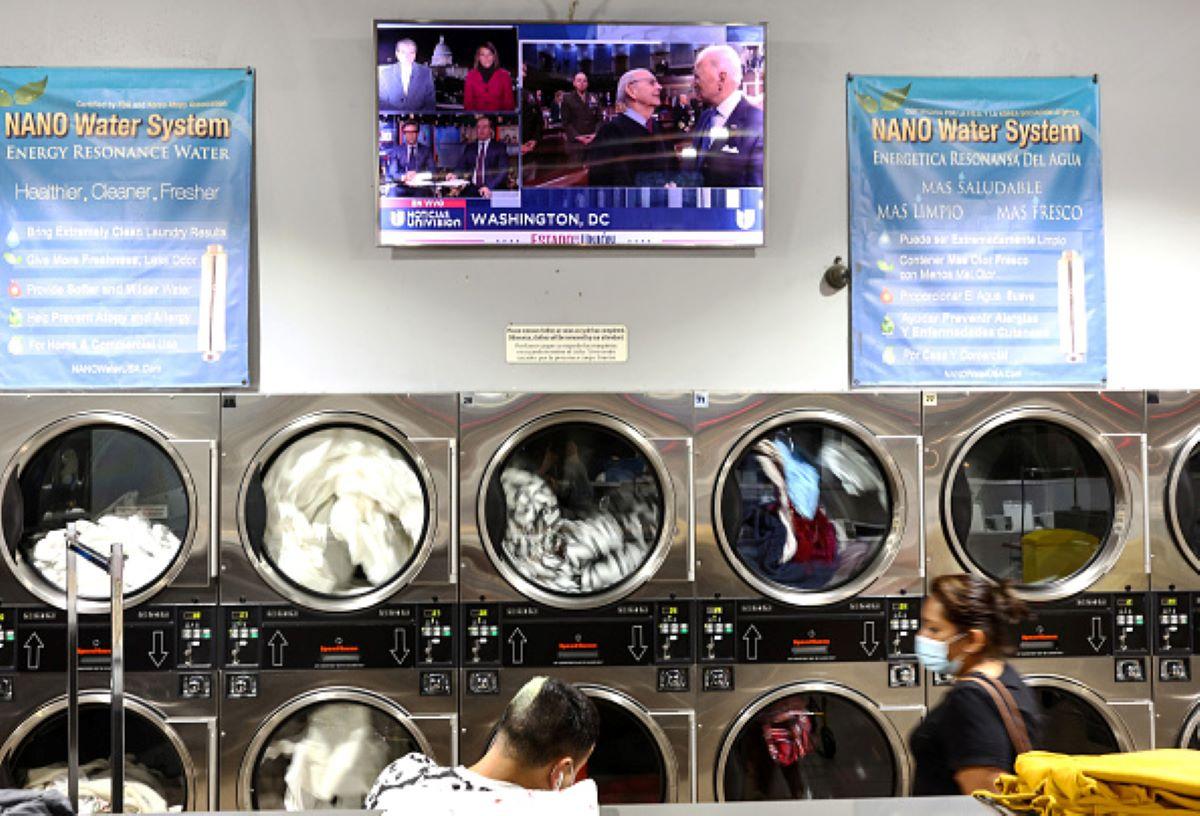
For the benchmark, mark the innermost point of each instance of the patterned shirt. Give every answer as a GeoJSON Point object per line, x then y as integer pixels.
{"type": "Point", "coordinates": [417, 771]}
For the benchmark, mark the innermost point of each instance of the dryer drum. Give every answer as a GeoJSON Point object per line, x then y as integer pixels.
{"type": "Point", "coordinates": [810, 741]}
{"type": "Point", "coordinates": [631, 763]}
{"type": "Point", "coordinates": [1075, 720]}
{"type": "Point", "coordinates": [114, 483]}
{"type": "Point", "coordinates": [1032, 501]}
{"type": "Point", "coordinates": [158, 775]}
{"type": "Point", "coordinates": [805, 507]}
{"type": "Point", "coordinates": [1184, 501]}
{"type": "Point", "coordinates": [339, 511]}
{"type": "Point", "coordinates": [577, 508]}
{"type": "Point", "coordinates": [324, 751]}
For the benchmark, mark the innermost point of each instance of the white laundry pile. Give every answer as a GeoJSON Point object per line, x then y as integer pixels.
{"type": "Point", "coordinates": [341, 505]}
{"type": "Point", "coordinates": [144, 789]}
{"type": "Point", "coordinates": [336, 762]}
{"type": "Point", "coordinates": [579, 555]}
{"type": "Point", "coordinates": [149, 551]}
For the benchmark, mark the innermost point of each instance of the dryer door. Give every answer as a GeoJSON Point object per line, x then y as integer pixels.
{"type": "Point", "coordinates": [114, 477]}
{"type": "Point", "coordinates": [323, 750]}
{"type": "Point", "coordinates": [160, 774]}
{"type": "Point", "coordinates": [1039, 499]}
{"type": "Point", "coordinates": [1189, 736]}
{"type": "Point", "coordinates": [577, 510]}
{"type": "Point", "coordinates": [1075, 720]}
{"type": "Point", "coordinates": [811, 740]}
{"type": "Point", "coordinates": [337, 511]}
{"type": "Point", "coordinates": [809, 508]}
{"type": "Point", "coordinates": [1183, 500]}
{"type": "Point", "coordinates": [634, 761]}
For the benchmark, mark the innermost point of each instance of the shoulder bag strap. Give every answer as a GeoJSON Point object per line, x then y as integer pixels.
{"type": "Point", "coordinates": [1014, 723]}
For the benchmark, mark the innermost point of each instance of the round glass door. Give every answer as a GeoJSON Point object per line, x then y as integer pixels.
{"type": "Point", "coordinates": [336, 517]}
{"type": "Point", "coordinates": [1034, 502]}
{"type": "Point", "coordinates": [1184, 498]}
{"type": "Point", "coordinates": [1190, 737]}
{"type": "Point", "coordinates": [114, 483]}
{"type": "Point", "coordinates": [805, 511]}
{"type": "Point", "coordinates": [809, 743]}
{"type": "Point", "coordinates": [1072, 724]}
{"type": "Point", "coordinates": [324, 753]}
{"type": "Point", "coordinates": [158, 776]}
{"type": "Point", "coordinates": [574, 512]}
{"type": "Point", "coordinates": [628, 764]}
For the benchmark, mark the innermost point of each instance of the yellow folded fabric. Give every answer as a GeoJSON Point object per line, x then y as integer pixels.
{"type": "Point", "coordinates": [1163, 781]}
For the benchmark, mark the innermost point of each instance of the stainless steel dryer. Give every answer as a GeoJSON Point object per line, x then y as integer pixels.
{"type": "Point", "coordinates": [575, 500]}
{"type": "Point", "coordinates": [1176, 687]}
{"type": "Point", "coordinates": [809, 499]}
{"type": "Point", "coordinates": [1044, 489]}
{"type": "Point", "coordinates": [142, 467]}
{"type": "Point", "coordinates": [338, 503]}
{"type": "Point", "coordinates": [1087, 660]}
{"type": "Point", "coordinates": [806, 704]}
{"type": "Point", "coordinates": [315, 705]}
{"type": "Point", "coordinates": [634, 659]}
{"type": "Point", "coordinates": [170, 705]}
{"type": "Point", "coordinates": [1173, 437]}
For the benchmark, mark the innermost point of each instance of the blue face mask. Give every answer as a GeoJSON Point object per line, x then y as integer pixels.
{"type": "Point", "coordinates": [934, 655]}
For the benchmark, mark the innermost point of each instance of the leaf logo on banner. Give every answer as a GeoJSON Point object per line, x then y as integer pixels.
{"type": "Point", "coordinates": [27, 93]}
{"type": "Point", "coordinates": [892, 100]}
{"type": "Point", "coordinates": [884, 266]}
{"type": "Point", "coordinates": [867, 102]}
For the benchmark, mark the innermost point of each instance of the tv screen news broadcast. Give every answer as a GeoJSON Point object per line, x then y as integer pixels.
{"type": "Point", "coordinates": [570, 134]}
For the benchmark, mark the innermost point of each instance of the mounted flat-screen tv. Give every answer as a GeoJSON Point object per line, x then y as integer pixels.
{"type": "Point", "coordinates": [570, 134]}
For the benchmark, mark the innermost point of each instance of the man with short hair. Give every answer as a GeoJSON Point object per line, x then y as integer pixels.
{"type": "Point", "coordinates": [580, 118]}
{"type": "Point", "coordinates": [628, 151]}
{"type": "Point", "coordinates": [408, 158]}
{"type": "Point", "coordinates": [542, 741]}
{"type": "Point", "coordinates": [729, 136]}
{"type": "Point", "coordinates": [484, 162]}
{"type": "Point", "coordinates": [406, 85]}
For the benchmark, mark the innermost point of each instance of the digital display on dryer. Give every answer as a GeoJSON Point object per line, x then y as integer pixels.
{"type": "Point", "coordinates": [1087, 626]}
{"type": "Point", "coordinates": [768, 633]}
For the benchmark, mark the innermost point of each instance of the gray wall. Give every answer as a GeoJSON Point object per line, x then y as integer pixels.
{"type": "Point", "coordinates": [335, 313]}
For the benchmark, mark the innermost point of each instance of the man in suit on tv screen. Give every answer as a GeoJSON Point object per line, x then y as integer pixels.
{"type": "Point", "coordinates": [406, 85]}
{"type": "Point", "coordinates": [729, 135]}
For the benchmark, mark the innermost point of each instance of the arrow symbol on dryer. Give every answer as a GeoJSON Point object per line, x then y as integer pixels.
{"type": "Point", "coordinates": [158, 653]}
{"type": "Point", "coordinates": [33, 651]}
{"type": "Point", "coordinates": [752, 637]}
{"type": "Point", "coordinates": [637, 646]}
{"type": "Point", "coordinates": [278, 642]}
{"type": "Point", "coordinates": [1097, 637]}
{"type": "Point", "coordinates": [517, 641]}
{"type": "Point", "coordinates": [399, 650]}
{"type": "Point", "coordinates": [869, 643]}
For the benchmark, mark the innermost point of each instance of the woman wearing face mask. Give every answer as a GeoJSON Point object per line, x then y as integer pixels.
{"type": "Point", "coordinates": [989, 715]}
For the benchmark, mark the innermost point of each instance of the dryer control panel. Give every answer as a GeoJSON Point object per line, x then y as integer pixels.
{"type": "Point", "coordinates": [1089, 625]}
{"type": "Point", "coordinates": [1176, 634]}
{"type": "Point", "coordinates": [864, 629]}
{"type": "Point", "coordinates": [388, 637]}
{"type": "Point", "coordinates": [636, 633]}
{"type": "Point", "coordinates": [157, 639]}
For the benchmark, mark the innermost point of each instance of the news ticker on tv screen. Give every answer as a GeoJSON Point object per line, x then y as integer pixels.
{"type": "Point", "coordinates": [570, 134]}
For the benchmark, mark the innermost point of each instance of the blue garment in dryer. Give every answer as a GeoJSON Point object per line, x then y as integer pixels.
{"type": "Point", "coordinates": [803, 480]}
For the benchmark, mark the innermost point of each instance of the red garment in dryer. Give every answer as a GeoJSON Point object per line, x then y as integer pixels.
{"type": "Point", "coordinates": [816, 538]}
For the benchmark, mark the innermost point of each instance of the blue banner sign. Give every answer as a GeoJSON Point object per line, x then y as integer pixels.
{"type": "Point", "coordinates": [977, 232]}
{"type": "Point", "coordinates": [125, 222]}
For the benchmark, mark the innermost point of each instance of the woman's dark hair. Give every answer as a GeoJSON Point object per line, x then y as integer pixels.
{"type": "Point", "coordinates": [971, 602]}
{"type": "Point", "coordinates": [549, 719]}
{"type": "Point", "coordinates": [489, 47]}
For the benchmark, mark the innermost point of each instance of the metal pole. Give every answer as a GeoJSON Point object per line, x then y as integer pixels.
{"type": "Point", "coordinates": [116, 575]}
{"type": "Point", "coordinates": [72, 669]}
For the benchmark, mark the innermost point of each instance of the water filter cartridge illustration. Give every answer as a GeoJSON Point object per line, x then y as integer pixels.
{"type": "Point", "coordinates": [1072, 307]}
{"type": "Point", "coordinates": [214, 274]}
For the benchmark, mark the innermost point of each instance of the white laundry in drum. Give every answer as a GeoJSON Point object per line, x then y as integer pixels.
{"type": "Point", "coordinates": [149, 550]}
{"type": "Point", "coordinates": [336, 762]}
{"type": "Point", "coordinates": [144, 789]}
{"type": "Point", "coordinates": [344, 511]}
{"type": "Point", "coordinates": [575, 555]}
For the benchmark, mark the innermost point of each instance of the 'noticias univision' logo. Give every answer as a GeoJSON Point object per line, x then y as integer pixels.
{"type": "Point", "coordinates": [746, 219]}
{"type": "Point", "coordinates": [426, 219]}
